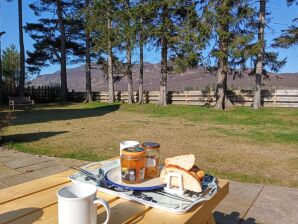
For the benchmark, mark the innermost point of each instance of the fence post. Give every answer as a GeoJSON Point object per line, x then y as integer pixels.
{"type": "Point", "coordinates": [275, 97]}
{"type": "Point", "coordinates": [186, 97]}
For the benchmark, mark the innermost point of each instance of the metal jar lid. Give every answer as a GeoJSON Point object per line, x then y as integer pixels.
{"type": "Point", "coordinates": [133, 151]}
{"type": "Point", "coordinates": [151, 145]}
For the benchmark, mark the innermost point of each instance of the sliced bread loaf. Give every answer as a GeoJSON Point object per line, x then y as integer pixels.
{"type": "Point", "coordinates": [190, 181]}
{"type": "Point", "coordinates": [185, 161]}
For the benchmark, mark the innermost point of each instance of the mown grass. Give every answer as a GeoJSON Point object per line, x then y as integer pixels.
{"type": "Point", "coordinates": [268, 124]}
{"type": "Point", "coordinates": [240, 143]}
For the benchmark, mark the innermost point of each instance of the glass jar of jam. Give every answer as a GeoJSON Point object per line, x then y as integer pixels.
{"type": "Point", "coordinates": [133, 165]}
{"type": "Point", "coordinates": [152, 159]}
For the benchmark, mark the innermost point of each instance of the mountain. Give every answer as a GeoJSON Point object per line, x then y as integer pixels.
{"type": "Point", "coordinates": [192, 79]}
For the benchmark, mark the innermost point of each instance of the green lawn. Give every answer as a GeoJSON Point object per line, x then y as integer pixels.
{"type": "Point", "coordinates": [239, 144]}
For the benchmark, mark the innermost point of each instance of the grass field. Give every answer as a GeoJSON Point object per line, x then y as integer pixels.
{"type": "Point", "coordinates": [239, 144]}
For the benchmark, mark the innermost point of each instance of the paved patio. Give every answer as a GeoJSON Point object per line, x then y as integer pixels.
{"type": "Point", "coordinates": [245, 204]}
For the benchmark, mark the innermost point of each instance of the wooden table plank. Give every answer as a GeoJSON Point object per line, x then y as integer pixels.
{"type": "Point", "coordinates": [36, 202]}
{"type": "Point", "coordinates": [122, 210]}
{"type": "Point", "coordinates": [21, 190]}
{"type": "Point", "coordinates": [26, 207]}
{"type": "Point", "coordinates": [198, 214]}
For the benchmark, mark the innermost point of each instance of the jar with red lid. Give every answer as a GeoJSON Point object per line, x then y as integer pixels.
{"type": "Point", "coordinates": [152, 159]}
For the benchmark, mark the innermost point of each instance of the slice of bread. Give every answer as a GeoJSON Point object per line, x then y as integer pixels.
{"type": "Point", "coordinates": [185, 161]}
{"type": "Point", "coordinates": [190, 181]}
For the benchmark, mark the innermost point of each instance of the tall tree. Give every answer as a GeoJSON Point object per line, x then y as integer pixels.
{"type": "Point", "coordinates": [164, 56]}
{"type": "Point", "coordinates": [169, 27]}
{"type": "Point", "coordinates": [63, 51]}
{"type": "Point", "coordinates": [88, 96]}
{"type": "Point", "coordinates": [231, 30]}
{"type": "Point", "coordinates": [263, 57]}
{"type": "Point", "coordinates": [22, 50]}
{"type": "Point", "coordinates": [55, 38]}
{"type": "Point", "coordinates": [110, 52]}
{"type": "Point", "coordinates": [260, 56]}
{"type": "Point", "coordinates": [128, 34]}
{"type": "Point", "coordinates": [104, 24]}
{"type": "Point", "coordinates": [141, 72]}
{"type": "Point", "coordinates": [223, 28]}
{"type": "Point", "coordinates": [144, 15]}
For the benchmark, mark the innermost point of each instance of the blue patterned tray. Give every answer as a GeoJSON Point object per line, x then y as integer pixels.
{"type": "Point", "coordinates": [157, 198]}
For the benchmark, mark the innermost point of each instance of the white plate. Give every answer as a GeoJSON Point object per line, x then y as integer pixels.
{"type": "Point", "coordinates": [113, 177]}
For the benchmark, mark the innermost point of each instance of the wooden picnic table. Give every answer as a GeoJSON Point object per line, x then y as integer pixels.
{"type": "Point", "coordinates": [36, 202]}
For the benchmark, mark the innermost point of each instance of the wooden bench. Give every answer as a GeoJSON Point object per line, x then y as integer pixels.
{"type": "Point", "coordinates": [20, 101]}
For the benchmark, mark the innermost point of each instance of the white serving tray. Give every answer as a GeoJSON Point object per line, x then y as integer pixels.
{"type": "Point", "coordinates": [156, 198]}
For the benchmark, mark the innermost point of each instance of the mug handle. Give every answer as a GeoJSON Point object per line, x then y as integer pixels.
{"type": "Point", "coordinates": [106, 206]}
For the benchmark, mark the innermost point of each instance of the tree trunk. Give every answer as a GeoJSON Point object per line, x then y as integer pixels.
{"type": "Point", "coordinates": [128, 59]}
{"type": "Point", "coordinates": [222, 100]}
{"type": "Point", "coordinates": [88, 97]}
{"type": "Point", "coordinates": [1, 83]}
{"type": "Point", "coordinates": [260, 56]}
{"type": "Point", "coordinates": [63, 52]}
{"type": "Point", "coordinates": [164, 61]}
{"type": "Point", "coordinates": [141, 75]}
{"type": "Point", "coordinates": [110, 57]}
{"type": "Point", "coordinates": [22, 51]}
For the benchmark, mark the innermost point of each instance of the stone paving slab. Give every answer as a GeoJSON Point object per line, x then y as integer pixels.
{"type": "Point", "coordinates": [275, 205]}
{"type": "Point", "coordinates": [7, 172]}
{"type": "Point", "coordinates": [28, 169]}
{"type": "Point", "coordinates": [18, 167]}
{"type": "Point", "coordinates": [237, 203]}
{"type": "Point", "coordinates": [3, 185]}
{"type": "Point", "coordinates": [25, 177]}
{"type": "Point", "coordinates": [22, 162]}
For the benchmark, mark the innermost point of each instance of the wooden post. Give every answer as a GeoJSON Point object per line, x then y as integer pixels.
{"type": "Point", "coordinates": [186, 97]}
{"type": "Point", "coordinates": [275, 97]}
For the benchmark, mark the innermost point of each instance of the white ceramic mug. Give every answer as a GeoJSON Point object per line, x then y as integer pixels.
{"type": "Point", "coordinates": [126, 144]}
{"type": "Point", "coordinates": [77, 204]}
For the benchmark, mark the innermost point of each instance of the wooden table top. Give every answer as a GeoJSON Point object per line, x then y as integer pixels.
{"type": "Point", "coordinates": [36, 202]}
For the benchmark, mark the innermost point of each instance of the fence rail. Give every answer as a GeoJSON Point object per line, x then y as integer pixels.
{"type": "Point", "coordinates": [270, 98]}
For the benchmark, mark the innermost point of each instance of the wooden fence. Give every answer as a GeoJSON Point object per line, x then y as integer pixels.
{"type": "Point", "coordinates": [270, 98]}
{"type": "Point", "coordinates": [40, 94]}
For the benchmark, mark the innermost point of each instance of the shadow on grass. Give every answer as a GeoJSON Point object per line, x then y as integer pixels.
{"type": "Point", "coordinates": [48, 115]}
{"type": "Point", "coordinates": [233, 218]}
{"type": "Point", "coordinates": [29, 137]}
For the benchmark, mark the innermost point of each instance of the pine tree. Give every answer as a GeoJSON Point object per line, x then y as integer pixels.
{"type": "Point", "coordinates": [169, 27]}
{"type": "Point", "coordinates": [144, 14]}
{"type": "Point", "coordinates": [289, 36]}
{"type": "Point", "coordinates": [55, 38]}
{"type": "Point", "coordinates": [104, 29]}
{"type": "Point", "coordinates": [11, 68]}
{"type": "Point", "coordinates": [88, 97]}
{"type": "Point", "coordinates": [263, 59]}
{"type": "Point", "coordinates": [260, 56]}
{"type": "Point", "coordinates": [82, 11]}
{"type": "Point", "coordinates": [22, 49]}
{"type": "Point", "coordinates": [231, 30]}
{"type": "Point", "coordinates": [129, 37]}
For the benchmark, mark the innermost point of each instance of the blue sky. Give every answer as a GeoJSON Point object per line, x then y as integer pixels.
{"type": "Point", "coordinates": [281, 18]}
